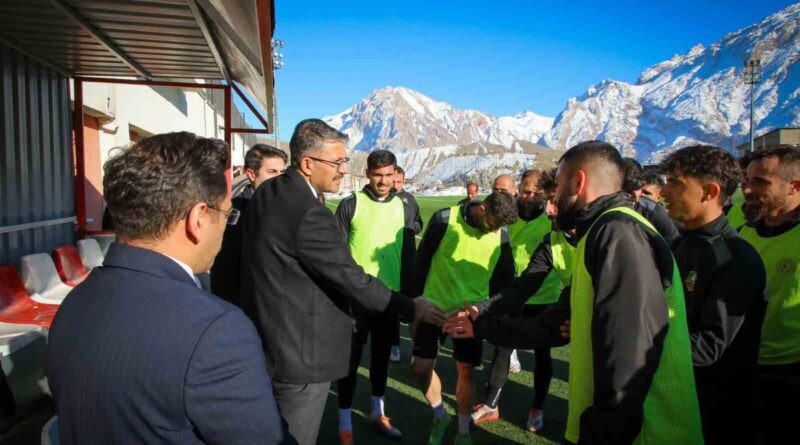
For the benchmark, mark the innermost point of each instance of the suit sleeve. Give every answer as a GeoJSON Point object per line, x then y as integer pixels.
{"type": "Point", "coordinates": [228, 393]}
{"type": "Point", "coordinates": [629, 325]}
{"type": "Point", "coordinates": [427, 248]}
{"type": "Point", "coordinates": [322, 252]}
{"type": "Point", "coordinates": [512, 297]}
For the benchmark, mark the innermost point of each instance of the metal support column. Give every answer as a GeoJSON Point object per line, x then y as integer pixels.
{"type": "Point", "coordinates": [80, 165]}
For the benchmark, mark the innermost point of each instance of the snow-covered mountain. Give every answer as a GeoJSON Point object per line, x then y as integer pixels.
{"type": "Point", "coordinates": [398, 118]}
{"type": "Point", "coordinates": [695, 97]}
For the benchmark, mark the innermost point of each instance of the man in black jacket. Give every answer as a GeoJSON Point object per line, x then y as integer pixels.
{"type": "Point", "coordinates": [261, 162]}
{"type": "Point", "coordinates": [724, 280]}
{"type": "Point", "coordinates": [627, 317]}
{"type": "Point", "coordinates": [654, 212]}
{"type": "Point", "coordinates": [411, 202]}
{"type": "Point", "coordinates": [380, 232]}
{"type": "Point", "coordinates": [300, 281]}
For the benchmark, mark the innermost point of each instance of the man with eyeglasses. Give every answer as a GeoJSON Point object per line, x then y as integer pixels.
{"type": "Point", "coordinates": [138, 352]}
{"type": "Point", "coordinates": [261, 162]}
{"type": "Point", "coordinates": [300, 281]}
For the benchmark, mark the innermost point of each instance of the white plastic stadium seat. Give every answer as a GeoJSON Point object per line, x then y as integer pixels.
{"type": "Point", "coordinates": [14, 337]}
{"type": "Point", "coordinates": [41, 279]}
{"type": "Point", "coordinates": [50, 432]}
{"type": "Point", "coordinates": [91, 255]}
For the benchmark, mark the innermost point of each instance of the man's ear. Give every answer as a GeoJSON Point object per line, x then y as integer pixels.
{"type": "Point", "coordinates": [579, 181]}
{"type": "Point", "coordinates": [305, 166]}
{"type": "Point", "coordinates": [251, 175]}
{"type": "Point", "coordinates": [794, 186]}
{"type": "Point", "coordinates": [711, 191]}
{"type": "Point", "coordinates": [195, 221]}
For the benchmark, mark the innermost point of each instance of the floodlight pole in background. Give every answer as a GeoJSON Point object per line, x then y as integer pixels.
{"type": "Point", "coordinates": [277, 63]}
{"type": "Point", "coordinates": [752, 76]}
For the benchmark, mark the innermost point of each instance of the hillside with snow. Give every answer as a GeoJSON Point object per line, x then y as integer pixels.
{"type": "Point", "coordinates": [694, 97]}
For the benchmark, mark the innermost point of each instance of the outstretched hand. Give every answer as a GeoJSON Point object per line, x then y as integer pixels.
{"type": "Point", "coordinates": [460, 324]}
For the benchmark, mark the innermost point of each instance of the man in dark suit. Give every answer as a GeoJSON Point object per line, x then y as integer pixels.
{"type": "Point", "coordinates": [261, 162]}
{"type": "Point", "coordinates": [137, 352]}
{"type": "Point", "coordinates": [300, 280]}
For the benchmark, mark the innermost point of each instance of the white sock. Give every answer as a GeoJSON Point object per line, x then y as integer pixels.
{"type": "Point", "coordinates": [438, 410]}
{"type": "Point", "coordinates": [463, 423]}
{"type": "Point", "coordinates": [346, 419]}
{"type": "Point", "coordinates": [377, 406]}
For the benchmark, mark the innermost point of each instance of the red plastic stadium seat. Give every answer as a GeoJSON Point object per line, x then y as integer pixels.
{"type": "Point", "coordinates": [15, 304]}
{"type": "Point", "coordinates": [69, 265]}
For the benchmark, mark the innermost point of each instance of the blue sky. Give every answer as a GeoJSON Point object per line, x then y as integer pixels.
{"type": "Point", "coordinates": [496, 56]}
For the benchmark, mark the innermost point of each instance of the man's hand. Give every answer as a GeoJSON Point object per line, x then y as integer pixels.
{"type": "Point", "coordinates": [428, 312]}
{"type": "Point", "coordinates": [459, 325]}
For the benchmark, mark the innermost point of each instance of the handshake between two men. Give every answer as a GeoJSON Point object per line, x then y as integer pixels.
{"type": "Point", "coordinates": [461, 323]}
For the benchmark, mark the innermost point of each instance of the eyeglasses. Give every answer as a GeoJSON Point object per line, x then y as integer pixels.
{"type": "Point", "coordinates": [338, 165]}
{"type": "Point", "coordinates": [232, 215]}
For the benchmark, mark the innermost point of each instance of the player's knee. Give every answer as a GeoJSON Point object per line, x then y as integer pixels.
{"type": "Point", "coordinates": [422, 367]}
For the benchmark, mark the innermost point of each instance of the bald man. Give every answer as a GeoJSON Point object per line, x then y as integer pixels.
{"type": "Point", "coordinates": [630, 374]}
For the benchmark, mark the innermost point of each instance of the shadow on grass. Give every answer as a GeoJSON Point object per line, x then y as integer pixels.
{"type": "Point", "coordinates": [412, 415]}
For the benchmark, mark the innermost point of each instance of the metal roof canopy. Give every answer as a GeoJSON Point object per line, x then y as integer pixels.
{"type": "Point", "coordinates": [156, 40]}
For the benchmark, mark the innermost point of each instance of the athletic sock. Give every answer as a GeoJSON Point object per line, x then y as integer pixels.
{"type": "Point", "coordinates": [345, 419]}
{"type": "Point", "coordinates": [438, 411]}
{"type": "Point", "coordinates": [463, 423]}
{"type": "Point", "coordinates": [377, 406]}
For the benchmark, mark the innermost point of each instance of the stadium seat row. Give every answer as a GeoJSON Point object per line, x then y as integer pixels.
{"type": "Point", "coordinates": [29, 299]}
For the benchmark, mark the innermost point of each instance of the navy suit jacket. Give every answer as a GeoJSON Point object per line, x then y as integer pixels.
{"type": "Point", "coordinates": [138, 354]}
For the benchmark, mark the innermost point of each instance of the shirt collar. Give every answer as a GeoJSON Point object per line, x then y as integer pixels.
{"type": "Point", "coordinates": [314, 191]}
{"type": "Point", "coordinates": [186, 268]}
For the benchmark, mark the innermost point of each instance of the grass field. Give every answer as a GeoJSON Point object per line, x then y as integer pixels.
{"type": "Point", "coordinates": [410, 412]}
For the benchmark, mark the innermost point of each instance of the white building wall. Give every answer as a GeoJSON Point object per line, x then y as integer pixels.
{"type": "Point", "coordinates": [155, 110]}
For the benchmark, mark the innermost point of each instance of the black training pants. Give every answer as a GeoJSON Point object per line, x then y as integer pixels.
{"type": "Point", "coordinates": [380, 329]}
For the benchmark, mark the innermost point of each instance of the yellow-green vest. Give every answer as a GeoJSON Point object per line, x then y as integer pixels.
{"type": "Point", "coordinates": [463, 264]}
{"type": "Point", "coordinates": [671, 411]}
{"type": "Point", "coordinates": [525, 236]}
{"type": "Point", "coordinates": [780, 335]}
{"type": "Point", "coordinates": [735, 213]}
{"type": "Point", "coordinates": [376, 238]}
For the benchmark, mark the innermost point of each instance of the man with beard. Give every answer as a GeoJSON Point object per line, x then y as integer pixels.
{"type": "Point", "coordinates": [464, 255]}
{"type": "Point", "coordinates": [630, 373]}
{"type": "Point", "coordinates": [380, 235]}
{"type": "Point", "coordinates": [547, 271]}
{"type": "Point", "coordinates": [300, 281]}
{"type": "Point", "coordinates": [772, 190]}
{"type": "Point", "coordinates": [724, 281]}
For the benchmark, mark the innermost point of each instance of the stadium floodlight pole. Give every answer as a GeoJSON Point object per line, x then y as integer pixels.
{"type": "Point", "coordinates": [752, 76]}
{"type": "Point", "coordinates": [277, 63]}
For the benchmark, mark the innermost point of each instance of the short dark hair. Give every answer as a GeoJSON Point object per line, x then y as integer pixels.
{"type": "Point", "coordinates": [788, 157]}
{"type": "Point", "coordinates": [654, 177]}
{"type": "Point", "coordinates": [591, 152]}
{"type": "Point", "coordinates": [253, 157]}
{"type": "Point", "coordinates": [381, 158]}
{"type": "Point", "coordinates": [502, 206]}
{"type": "Point", "coordinates": [470, 184]}
{"type": "Point", "coordinates": [535, 172]}
{"type": "Point", "coordinates": [634, 175]}
{"type": "Point", "coordinates": [156, 182]}
{"type": "Point", "coordinates": [399, 169]}
{"type": "Point", "coordinates": [548, 180]}
{"type": "Point", "coordinates": [706, 163]}
{"type": "Point", "coordinates": [310, 135]}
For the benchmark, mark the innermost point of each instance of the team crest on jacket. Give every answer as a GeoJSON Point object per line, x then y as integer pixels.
{"type": "Point", "coordinates": [690, 280]}
{"type": "Point", "coordinates": [786, 266]}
